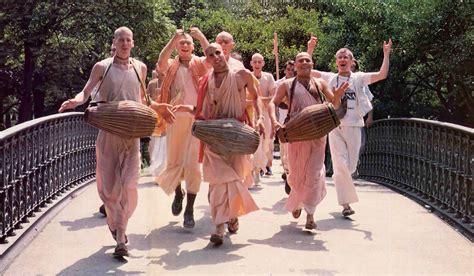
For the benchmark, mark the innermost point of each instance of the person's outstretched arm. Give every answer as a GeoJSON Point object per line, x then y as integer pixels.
{"type": "Point", "coordinates": [165, 54]}
{"type": "Point", "coordinates": [383, 72]}
{"type": "Point", "coordinates": [94, 78]}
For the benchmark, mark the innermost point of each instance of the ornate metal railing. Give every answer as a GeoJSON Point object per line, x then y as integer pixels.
{"type": "Point", "coordinates": [41, 159]}
{"type": "Point", "coordinates": [428, 160]}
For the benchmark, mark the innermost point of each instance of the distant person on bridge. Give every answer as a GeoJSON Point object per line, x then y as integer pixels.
{"type": "Point", "coordinates": [345, 140]}
{"type": "Point", "coordinates": [282, 111]}
{"type": "Point", "coordinates": [118, 159]}
{"type": "Point", "coordinates": [307, 175]}
{"type": "Point", "coordinates": [267, 90]}
{"type": "Point", "coordinates": [180, 86]}
{"type": "Point", "coordinates": [223, 95]}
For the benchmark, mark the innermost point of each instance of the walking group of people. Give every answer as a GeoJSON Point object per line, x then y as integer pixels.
{"type": "Point", "coordinates": [217, 86]}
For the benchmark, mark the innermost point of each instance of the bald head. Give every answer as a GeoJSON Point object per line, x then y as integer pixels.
{"type": "Point", "coordinates": [123, 42]}
{"type": "Point", "coordinates": [212, 48]}
{"type": "Point", "coordinates": [303, 65]}
{"type": "Point", "coordinates": [215, 57]}
{"type": "Point", "coordinates": [227, 42]}
{"type": "Point", "coordinates": [122, 30]}
{"type": "Point", "coordinates": [224, 36]}
{"type": "Point", "coordinates": [187, 37]}
{"type": "Point", "coordinates": [257, 56]}
{"type": "Point", "coordinates": [303, 54]}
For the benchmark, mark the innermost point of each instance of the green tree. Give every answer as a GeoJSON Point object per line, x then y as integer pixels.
{"type": "Point", "coordinates": [59, 41]}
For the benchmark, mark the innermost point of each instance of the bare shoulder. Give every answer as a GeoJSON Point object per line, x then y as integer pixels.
{"type": "Point", "coordinates": [139, 63]}
{"type": "Point", "coordinates": [321, 81]}
{"type": "Point", "coordinates": [244, 73]}
{"type": "Point", "coordinates": [100, 66]}
{"type": "Point", "coordinates": [287, 82]}
{"type": "Point", "coordinates": [268, 76]}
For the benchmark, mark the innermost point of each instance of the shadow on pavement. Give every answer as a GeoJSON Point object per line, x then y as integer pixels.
{"type": "Point", "coordinates": [293, 237]}
{"type": "Point", "coordinates": [342, 223]}
{"type": "Point", "coordinates": [85, 223]}
{"type": "Point", "coordinates": [205, 256]}
{"type": "Point", "coordinates": [99, 263]}
{"type": "Point", "coordinates": [278, 208]}
{"type": "Point", "coordinates": [173, 235]}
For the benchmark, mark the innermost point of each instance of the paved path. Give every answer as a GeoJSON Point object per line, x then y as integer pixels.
{"type": "Point", "coordinates": [388, 235]}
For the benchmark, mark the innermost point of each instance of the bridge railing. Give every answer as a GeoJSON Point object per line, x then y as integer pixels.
{"type": "Point", "coordinates": [429, 160]}
{"type": "Point", "coordinates": [41, 159]}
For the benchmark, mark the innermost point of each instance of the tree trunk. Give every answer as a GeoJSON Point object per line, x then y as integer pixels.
{"type": "Point", "coordinates": [38, 95]}
{"type": "Point", "coordinates": [25, 111]}
{"type": "Point", "coordinates": [2, 121]}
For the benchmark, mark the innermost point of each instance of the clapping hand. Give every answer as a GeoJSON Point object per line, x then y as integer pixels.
{"type": "Point", "coordinates": [164, 110]}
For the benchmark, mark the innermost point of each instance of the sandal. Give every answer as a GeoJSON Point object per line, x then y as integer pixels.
{"type": "Point", "coordinates": [348, 212]}
{"type": "Point", "coordinates": [296, 213]}
{"type": "Point", "coordinates": [311, 225]}
{"type": "Point", "coordinates": [121, 250]}
{"type": "Point", "coordinates": [233, 225]}
{"type": "Point", "coordinates": [217, 239]}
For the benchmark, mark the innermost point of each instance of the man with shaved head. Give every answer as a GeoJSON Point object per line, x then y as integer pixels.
{"type": "Point", "coordinates": [222, 94]}
{"type": "Point", "coordinates": [226, 40]}
{"type": "Point", "coordinates": [180, 84]}
{"type": "Point", "coordinates": [307, 175]}
{"type": "Point", "coordinates": [118, 159]}
{"type": "Point", "coordinates": [345, 140]}
{"type": "Point", "coordinates": [267, 90]}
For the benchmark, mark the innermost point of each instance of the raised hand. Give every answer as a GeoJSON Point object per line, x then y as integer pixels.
{"type": "Point", "coordinates": [196, 33]}
{"type": "Point", "coordinates": [177, 36]}
{"type": "Point", "coordinates": [387, 46]}
{"type": "Point", "coordinates": [339, 92]}
{"type": "Point", "coordinates": [312, 43]}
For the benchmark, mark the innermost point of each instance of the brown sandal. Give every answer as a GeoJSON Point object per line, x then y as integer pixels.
{"type": "Point", "coordinates": [233, 225]}
{"type": "Point", "coordinates": [296, 213]}
{"type": "Point", "coordinates": [121, 250]}
{"type": "Point", "coordinates": [348, 212]}
{"type": "Point", "coordinates": [217, 239]}
{"type": "Point", "coordinates": [311, 225]}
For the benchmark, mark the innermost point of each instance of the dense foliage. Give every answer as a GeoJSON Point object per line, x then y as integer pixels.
{"type": "Point", "coordinates": [49, 47]}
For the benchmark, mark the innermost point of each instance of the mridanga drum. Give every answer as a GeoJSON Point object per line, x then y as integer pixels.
{"type": "Point", "coordinates": [127, 119]}
{"type": "Point", "coordinates": [226, 136]}
{"type": "Point", "coordinates": [313, 122]}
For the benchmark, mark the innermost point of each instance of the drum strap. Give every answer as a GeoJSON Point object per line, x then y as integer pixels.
{"type": "Point", "coordinates": [321, 95]}
{"type": "Point", "coordinates": [292, 93]}
{"type": "Point", "coordinates": [101, 81]}
{"type": "Point", "coordinates": [142, 85]}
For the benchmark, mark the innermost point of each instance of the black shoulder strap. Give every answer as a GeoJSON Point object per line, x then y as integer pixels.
{"type": "Point", "coordinates": [102, 80]}
{"type": "Point", "coordinates": [142, 85]}
{"type": "Point", "coordinates": [321, 95]}
{"type": "Point", "coordinates": [292, 93]}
